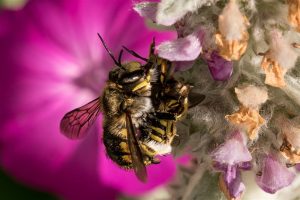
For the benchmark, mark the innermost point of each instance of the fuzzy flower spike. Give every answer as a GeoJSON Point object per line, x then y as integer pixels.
{"type": "Point", "coordinates": [290, 147]}
{"type": "Point", "coordinates": [265, 53]}
{"type": "Point", "coordinates": [251, 97]}
{"type": "Point", "coordinates": [294, 13]}
{"type": "Point", "coordinates": [232, 38]}
{"type": "Point", "coordinates": [278, 60]}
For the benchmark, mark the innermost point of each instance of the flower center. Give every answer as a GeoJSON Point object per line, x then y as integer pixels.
{"type": "Point", "coordinates": [94, 77]}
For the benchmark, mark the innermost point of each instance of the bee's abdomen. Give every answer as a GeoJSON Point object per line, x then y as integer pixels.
{"type": "Point", "coordinates": [115, 141]}
{"type": "Point", "coordinates": [160, 142]}
{"type": "Point", "coordinates": [117, 148]}
{"type": "Point", "coordinates": [158, 134]}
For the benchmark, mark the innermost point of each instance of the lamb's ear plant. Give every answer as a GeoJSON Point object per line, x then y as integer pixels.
{"type": "Point", "coordinates": [242, 55]}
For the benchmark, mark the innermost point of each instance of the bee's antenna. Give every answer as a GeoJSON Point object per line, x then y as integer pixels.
{"type": "Point", "coordinates": [135, 54]}
{"type": "Point", "coordinates": [152, 47]}
{"type": "Point", "coordinates": [110, 53]}
{"type": "Point", "coordinates": [120, 57]}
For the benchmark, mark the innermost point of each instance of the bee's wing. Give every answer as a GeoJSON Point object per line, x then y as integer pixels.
{"type": "Point", "coordinates": [195, 98]}
{"type": "Point", "coordinates": [76, 122]}
{"type": "Point", "coordinates": [136, 154]}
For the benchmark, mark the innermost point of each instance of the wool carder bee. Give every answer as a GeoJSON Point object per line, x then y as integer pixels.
{"type": "Point", "coordinates": [140, 105]}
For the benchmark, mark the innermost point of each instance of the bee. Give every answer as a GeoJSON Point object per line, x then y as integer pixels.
{"type": "Point", "coordinates": [170, 102]}
{"type": "Point", "coordinates": [140, 104]}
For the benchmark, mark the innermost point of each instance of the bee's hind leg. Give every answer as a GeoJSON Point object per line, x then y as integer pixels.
{"type": "Point", "coordinates": [165, 115]}
{"type": "Point", "coordinates": [148, 155]}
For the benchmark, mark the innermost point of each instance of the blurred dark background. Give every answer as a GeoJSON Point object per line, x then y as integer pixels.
{"type": "Point", "coordinates": [12, 190]}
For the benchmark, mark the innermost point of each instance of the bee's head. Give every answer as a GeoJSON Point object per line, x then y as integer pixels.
{"type": "Point", "coordinates": [129, 73]}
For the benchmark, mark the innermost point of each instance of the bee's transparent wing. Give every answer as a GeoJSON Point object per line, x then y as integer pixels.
{"type": "Point", "coordinates": [76, 122]}
{"type": "Point", "coordinates": [195, 98]}
{"type": "Point", "coordinates": [136, 154]}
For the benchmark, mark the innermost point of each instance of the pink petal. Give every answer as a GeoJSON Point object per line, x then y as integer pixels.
{"type": "Point", "coordinates": [220, 69]}
{"type": "Point", "coordinates": [298, 167]}
{"type": "Point", "coordinates": [181, 49]}
{"type": "Point", "coordinates": [275, 175]}
{"type": "Point", "coordinates": [233, 151]}
{"type": "Point", "coordinates": [183, 65]}
{"type": "Point", "coordinates": [146, 9]}
{"type": "Point", "coordinates": [233, 182]}
{"type": "Point", "coordinates": [236, 187]}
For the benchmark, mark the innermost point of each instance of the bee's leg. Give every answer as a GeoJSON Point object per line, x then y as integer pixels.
{"type": "Point", "coordinates": [142, 88]}
{"type": "Point", "coordinates": [148, 154]}
{"type": "Point", "coordinates": [147, 151]}
{"type": "Point", "coordinates": [165, 115]}
{"type": "Point", "coordinates": [169, 131]}
{"type": "Point", "coordinates": [175, 99]}
{"type": "Point", "coordinates": [167, 70]}
{"type": "Point", "coordinates": [165, 133]}
{"type": "Point", "coordinates": [176, 89]}
{"type": "Point", "coordinates": [174, 109]}
{"type": "Point", "coordinates": [183, 108]}
{"type": "Point", "coordinates": [150, 160]}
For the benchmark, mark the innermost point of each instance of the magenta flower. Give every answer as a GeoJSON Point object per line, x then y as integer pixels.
{"type": "Point", "coordinates": [51, 62]}
{"type": "Point", "coordinates": [274, 175]}
{"type": "Point", "coordinates": [230, 158]}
